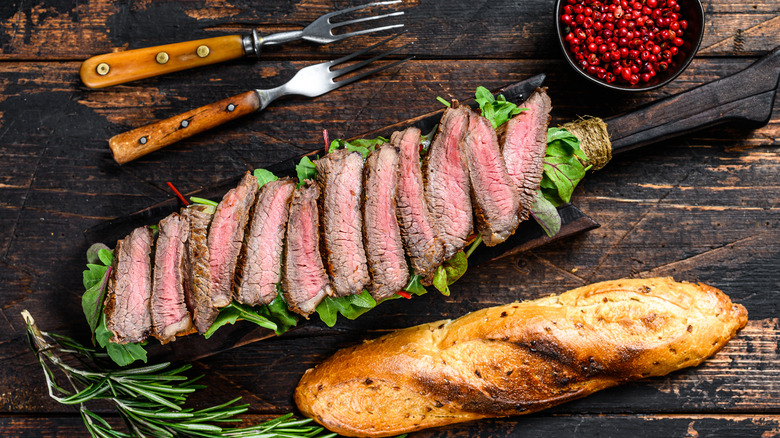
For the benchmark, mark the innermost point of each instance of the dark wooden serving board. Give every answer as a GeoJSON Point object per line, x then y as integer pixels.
{"type": "Point", "coordinates": [699, 207]}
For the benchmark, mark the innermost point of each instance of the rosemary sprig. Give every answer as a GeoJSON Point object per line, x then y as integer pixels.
{"type": "Point", "coordinates": [149, 399]}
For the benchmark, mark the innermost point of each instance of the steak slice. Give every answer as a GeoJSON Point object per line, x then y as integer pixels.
{"type": "Point", "coordinates": [447, 187]}
{"type": "Point", "coordinates": [340, 177]}
{"type": "Point", "coordinates": [304, 280]}
{"type": "Point", "coordinates": [197, 274]}
{"type": "Point", "coordinates": [425, 250]}
{"type": "Point", "coordinates": [170, 317]}
{"type": "Point", "coordinates": [495, 199]}
{"type": "Point", "coordinates": [260, 265]}
{"type": "Point", "coordinates": [226, 235]}
{"type": "Point", "coordinates": [382, 235]}
{"type": "Point", "coordinates": [524, 144]}
{"type": "Point", "coordinates": [130, 288]}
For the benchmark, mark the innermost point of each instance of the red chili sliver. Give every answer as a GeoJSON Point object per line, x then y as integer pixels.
{"type": "Point", "coordinates": [404, 294]}
{"type": "Point", "coordinates": [178, 194]}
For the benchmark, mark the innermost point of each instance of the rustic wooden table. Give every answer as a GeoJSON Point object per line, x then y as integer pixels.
{"type": "Point", "coordinates": [704, 207]}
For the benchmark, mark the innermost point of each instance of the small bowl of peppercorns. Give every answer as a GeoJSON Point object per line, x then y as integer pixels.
{"type": "Point", "coordinates": [633, 45]}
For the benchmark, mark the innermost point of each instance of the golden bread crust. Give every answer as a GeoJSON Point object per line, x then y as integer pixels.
{"type": "Point", "coordinates": [518, 358]}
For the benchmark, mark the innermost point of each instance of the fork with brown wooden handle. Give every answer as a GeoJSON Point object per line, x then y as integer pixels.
{"type": "Point", "coordinates": [121, 67]}
{"type": "Point", "coordinates": [310, 81]}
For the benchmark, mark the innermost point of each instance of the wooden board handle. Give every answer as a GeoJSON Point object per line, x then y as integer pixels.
{"type": "Point", "coordinates": [120, 67]}
{"type": "Point", "coordinates": [140, 141]}
{"type": "Point", "coordinates": [748, 96]}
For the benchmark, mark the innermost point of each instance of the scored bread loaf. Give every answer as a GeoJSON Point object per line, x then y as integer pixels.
{"type": "Point", "coordinates": [518, 358]}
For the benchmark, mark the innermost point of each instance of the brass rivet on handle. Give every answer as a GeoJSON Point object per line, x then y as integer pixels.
{"type": "Point", "coordinates": [102, 69]}
{"type": "Point", "coordinates": [203, 51]}
{"type": "Point", "coordinates": [162, 58]}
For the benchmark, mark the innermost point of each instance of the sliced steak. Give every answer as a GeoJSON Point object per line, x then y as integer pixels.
{"type": "Point", "coordinates": [447, 186]}
{"type": "Point", "coordinates": [170, 317]}
{"type": "Point", "coordinates": [130, 288]}
{"type": "Point", "coordinates": [524, 144]}
{"type": "Point", "coordinates": [340, 177]}
{"type": "Point", "coordinates": [384, 246]}
{"type": "Point", "coordinates": [425, 250]}
{"type": "Point", "coordinates": [197, 274]}
{"type": "Point", "coordinates": [260, 265]}
{"type": "Point", "coordinates": [226, 235]}
{"type": "Point", "coordinates": [304, 280]}
{"type": "Point", "coordinates": [495, 199]}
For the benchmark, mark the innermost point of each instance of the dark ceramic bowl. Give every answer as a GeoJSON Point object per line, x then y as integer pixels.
{"type": "Point", "coordinates": [690, 10]}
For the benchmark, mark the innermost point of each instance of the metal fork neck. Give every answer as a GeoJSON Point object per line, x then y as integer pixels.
{"type": "Point", "coordinates": [269, 95]}
{"type": "Point", "coordinates": [253, 42]}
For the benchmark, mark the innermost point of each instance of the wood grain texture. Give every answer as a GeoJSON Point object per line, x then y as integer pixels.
{"type": "Point", "coordinates": [704, 207]}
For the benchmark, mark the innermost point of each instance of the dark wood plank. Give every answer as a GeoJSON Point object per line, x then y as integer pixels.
{"type": "Point", "coordinates": [515, 30]}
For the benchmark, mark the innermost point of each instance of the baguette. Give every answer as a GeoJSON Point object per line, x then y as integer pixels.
{"type": "Point", "coordinates": [518, 358]}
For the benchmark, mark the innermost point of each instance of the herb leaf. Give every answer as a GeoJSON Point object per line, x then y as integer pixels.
{"type": "Point", "coordinates": [496, 109]}
{"type": "Point", "coordinates": [121, 354]}
{"type": "Point", "coordinates": [563, 166]}
{"type": "Point", "coordinates": [450, 272]}
{"type": "Point", "coordinates": [264, 176]}
{"type": "Point", "coordinates": [363, 145]}
{"type": "Point", "coordinates": [440, 281]}
{"type": "Point", "coordinates": [350, 307]}
{"type": "Point", "coordinates": [545, 214]}
{"type": "Point", "coordinates": [305, 169]}
{"type": "Point", "coordinates": [414, 286]}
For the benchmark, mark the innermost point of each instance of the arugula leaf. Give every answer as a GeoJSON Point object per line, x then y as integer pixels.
{"type": "Point", "coordinates": [545, 214]}
{"type": "Point", "coordinates": [363, 145]}
{"type": "Point", "coordinates": [93, 252]}
{"type": "Point", "coordinates": [440, 281]}
{"type": "Point", "coordinates": [496, 109]}
{"type": "Point", "coordinates": [350, 307]}
{"type": "Point", "coordinates": [563, 166]}
{"type": "Point", "coordinates": [305, 169]}
{"type": "Point", "coordinates": [264, 176]}
{"type": "Point", "coordinates": [121, 354]}
{"type": "Point", "coordinates": [92, 299]}
{"type": "Point", "coordinates": [279, 313]}
{"type": "Point", "coordinates": [203, 201]}
{"type": "Point", "coordinates": [414, 286]}
{"type": "Point", "coordinates": [236, 311]}
{"type": "Point", "coordinates": [450, 272]}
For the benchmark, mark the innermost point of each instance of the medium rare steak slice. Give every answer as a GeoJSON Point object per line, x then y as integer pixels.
{"type": "Point", "coordinates": [447, 186]}
{"type": "Point", "coordinates": [170, 317]}
{"type": "Point", "coordinates": [384, 247]}
{"type": "Point", "coordinates": [495, 200]}
{"type": "Point", "coordinates": [226, 235]}
{"type": "Point", "coordinates": [304, 280]}
{"type": "Point", "coordinates": [197, 274]}
{"type": "Point", "coordinates": [425, 250]}
{"type": "Point", "coordinates": [130, 288]}
{"type": "Point", "coordinates": [524, 144]}
{"type": "Point", "coordinates": [340, 177]}
{"type": "Point", "coordinates": [260, 265]}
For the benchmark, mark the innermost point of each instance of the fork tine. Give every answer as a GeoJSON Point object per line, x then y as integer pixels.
{"type": "Point", "coordinates": [353, 67]}
{"type": "Point", "coordinates": [370, 72]}
{"type": "Point", "coordinates": [355, 8]}
{"type": "Point", "coordinates": [366, 31]}
{"type": "Point", "coordinates": [371, 18]}
{"type": "Point", "coordinates": [361, 52]}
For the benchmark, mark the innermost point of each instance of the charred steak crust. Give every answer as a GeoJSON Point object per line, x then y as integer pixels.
{"type": "Point", "coordinates": [340, 177]}
{"type": "Point", "coordinates": [524, 144]}
{"type": "Point", "coordinates": [198, 277]}
{"type": "Point", "coordinates": [259, 268]}
{"type": "Point", "coordinates": [447, 186]}
{"type": "Point", "coordinates": [425, 250]}
{"type": "Point", "coordinates": [304, 280]}
{"type": "Point", "coordinates": [170, 317]}
{"type": "Point", "coordinates": [130, 288]}
{"type": "Point", "coordinates": [382, 235]}
{"type": "Point", "coordinates": [226, 235]}
{"type": "Point", "coordinates": [494, 196]}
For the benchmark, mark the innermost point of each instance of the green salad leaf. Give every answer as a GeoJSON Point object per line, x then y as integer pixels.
{"type": "Point", "coordinates": [496, 109]}
{"type": "Point", "coordinates": [564, 166]}
{"type": "Point", "coordinates": [305, 169]}
{"type": "Point", "coordinates": [363, 145]}
{"type": "Point", "coordinates": [121, 354]}
{"type": "Point", "coordinates": [264, 176]}
{"type": "Point", "coordinates": [545, 214]}
{"type": "Point", "coordinates": [450, 272]}
{"type": "Point", "coordinates": [350, 307]}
